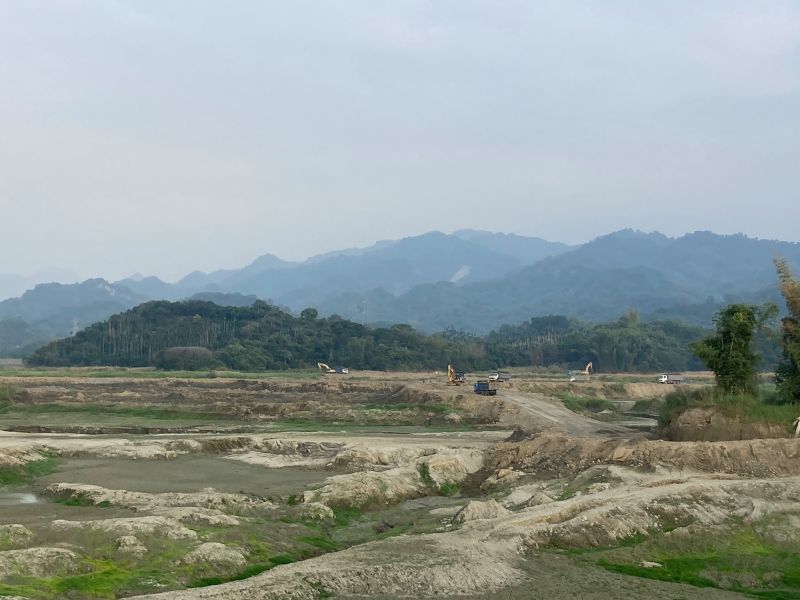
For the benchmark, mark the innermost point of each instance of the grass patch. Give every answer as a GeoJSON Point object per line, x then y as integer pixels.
{"type": "Point", "coordinates": [82, 501]}
{"type": "Point", "coordinates": [102, 409]}
{"type": "Point", "coordinates": [683, 571]}
{"type": "Point", "coordinates": [449, 489]}
{"type": "Point", "coordinates": [439, 409]}
{"type": "Point", "coordinates": [565, 495]}
{"type": "Point", "coordinates": [344, 516]}
{"type": "Point", "coordinates": [741, 559]}
{"type": "Point", "coordinates": [24, 473]}
{"type": "Point", "coordinates": [6, 396]}
{"type": "Point", "coordinates": [322, 543]}
{"type": "Point", "coordinates": [745, 408]}
{"type": "Point", "coordinates": [246, 573]}
{"type": "Point", "coordinates": [582, 405]}
{"type": "Point", "coordinates": [425, 474]}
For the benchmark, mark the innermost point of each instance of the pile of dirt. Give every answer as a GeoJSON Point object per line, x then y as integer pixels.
{"type": "Point", "coordinates": [15, 458]}
{"type": "Point", "coordinates": [415, 479]}
{"type": "Point", "coordinates": [207, 498]}
{"type": "Point", "coordinates": [206, 507]}
{"type": "Point", "coordinates": [214, 553]}
{"type": "Point", "coordinates": [713, 425]}
{"type": "Point", "coordinates": [130, 544]}
{"type": "Point", "coordinates": [476, 509]}
{"type": "Point", "coordinates": [153, 525]}
{"type": "Point", "coordinates": [556, 455]}
{"type": "Point", "coordinates": [407, 567]}
{"type": "Point", "coordinates": [38, 562]}
{"type": "Point", "coordinates": [14, 534]}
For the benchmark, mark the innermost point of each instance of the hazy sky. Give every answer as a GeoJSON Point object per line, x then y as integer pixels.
{"type": "Point", "coordinates": [165, 136]}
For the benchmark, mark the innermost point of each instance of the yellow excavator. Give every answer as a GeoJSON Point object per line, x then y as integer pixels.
{"type": "Point", "coordinates": [587, 370]}
{"type": "Point", "coordinates": [454, 377]}
{"type": "Point", "coordinates": [338, 370]}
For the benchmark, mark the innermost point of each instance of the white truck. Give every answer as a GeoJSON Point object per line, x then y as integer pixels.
{"type": "Point", "coordinates": [674, 378]}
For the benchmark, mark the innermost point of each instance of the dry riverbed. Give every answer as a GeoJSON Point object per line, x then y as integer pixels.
{"type": "Point", "coordinates": [379, 488]}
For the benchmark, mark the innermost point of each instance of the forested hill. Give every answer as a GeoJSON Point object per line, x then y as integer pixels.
{"type": "Point", "coordinates": [257, 337]}
{"type": "Point", "coordinates": [261, 336]}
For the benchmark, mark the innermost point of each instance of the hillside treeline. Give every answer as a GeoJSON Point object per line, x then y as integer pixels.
{"type": "Point", "coordinates": [263, 337]}
{"type": "Point", "coordinates": [624, 345]}
{"type": "Point", "coordinates": [254, 338]}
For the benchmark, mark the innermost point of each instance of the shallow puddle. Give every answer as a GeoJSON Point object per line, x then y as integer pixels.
{"type": "Point", "coordinates": [18, 498]}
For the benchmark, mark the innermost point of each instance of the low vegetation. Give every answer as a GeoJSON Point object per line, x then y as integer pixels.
{"type": "Point", "coordinates": [18, 475]}
{"type": "Point", "coordinates": [746, 557]}
{"type": "Point", "coordinates": [586, 405]}
{"type": "Point", "coordinates": [743, 407]}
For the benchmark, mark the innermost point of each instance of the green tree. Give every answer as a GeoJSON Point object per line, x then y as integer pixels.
{"type": "Point", "coordinates": [309, 314]}
{"type": "Point", "coordinates": [787, 375]}
{"type": "Point", "coordinates": [729, 353]}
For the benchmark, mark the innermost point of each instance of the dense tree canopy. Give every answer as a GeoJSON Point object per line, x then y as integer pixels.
{"type": "Point", "coordinates": [729, 352]}
{"type": "Point", "coordinates": [261, 336]}
{"type": "Point", "coordinates": [787, 375]}
{"type": "Point", "coordinates": [624, 345]}
{"type": "Point", "coordinates": [256, 337]}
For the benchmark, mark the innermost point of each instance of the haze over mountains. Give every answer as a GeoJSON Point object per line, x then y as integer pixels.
{"type": "Point", "coordinates": [470, 280]}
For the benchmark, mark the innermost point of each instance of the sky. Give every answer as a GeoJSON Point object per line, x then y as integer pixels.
{"type": "Point", "coordinates": [164, 137]}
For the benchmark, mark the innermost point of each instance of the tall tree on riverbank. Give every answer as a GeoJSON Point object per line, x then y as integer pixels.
{"type": "Point", "coordinates": [787, 375]}
{"type": "Point", "coordinates": [729, 353]}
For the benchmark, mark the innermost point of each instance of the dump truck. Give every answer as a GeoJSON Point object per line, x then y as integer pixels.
{"type": "Point", "coordinates": [673, 378]}
{"type": "Point", "coordinates": [484, 388]}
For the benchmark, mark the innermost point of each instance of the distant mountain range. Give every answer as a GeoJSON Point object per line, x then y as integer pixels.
{"type": "Point", "coordinates": [470, 280]}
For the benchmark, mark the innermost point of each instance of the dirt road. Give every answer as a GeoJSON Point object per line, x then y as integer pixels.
{"type": "Point", "coordinates": [552, 414]}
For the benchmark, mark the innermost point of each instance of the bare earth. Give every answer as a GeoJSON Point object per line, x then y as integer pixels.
{"type": "Point", "coordinates": [569, 482]}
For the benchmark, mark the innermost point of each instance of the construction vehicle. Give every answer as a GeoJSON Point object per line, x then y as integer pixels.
{"type": "Point", "coordinates": [499, 376]}
{"type": "Point", "coordinates": [673, 378]}
{"type": "Point", "coordinates": [337, 371]}
{"type": "Point", "coordinates": [484, 388]}
{"type": "Point", "coordinates": [454, 377]}
{"type": "Point", "coordinates": [587, 370]}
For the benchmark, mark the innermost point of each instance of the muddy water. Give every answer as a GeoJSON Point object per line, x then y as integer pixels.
{"type": "Point", "coordinates": [184, 474]}
{"type": "Point", "coordinates": [17, 498]}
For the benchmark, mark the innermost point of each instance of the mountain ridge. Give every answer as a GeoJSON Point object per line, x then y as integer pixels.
{"type": "Point", "coordinates": [461, 280]}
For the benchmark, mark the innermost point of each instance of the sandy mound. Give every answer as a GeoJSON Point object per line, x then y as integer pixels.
{"type": "Point", "coordinates": [207, 498]}
{"type": "Point", "coordinates": [421, 478]}
{"type": "Point", "coordinates": [481, 510]}
{"type": "Point", "coordinates": [216, 554]}
{"type": "Point", "coordinates": [130, 544]}
{"type": "Point", "coordinates": [712, 424]}
{"type": "Point", "coordinates": [398, 567]}
{"type": "Point", "coordinates": [162, 526]}
{"type": "Point", "coordinates": [15, 534]}
{"type": "Point", "coordinates": [554, 454]}
{"type": "Point", "coordinates": [38, 562]}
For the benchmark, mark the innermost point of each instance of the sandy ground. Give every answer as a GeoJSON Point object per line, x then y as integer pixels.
{"type": "Point", "coordinates": [577, 483]}
{"type": "Point", "coordinates": [552, 414]}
